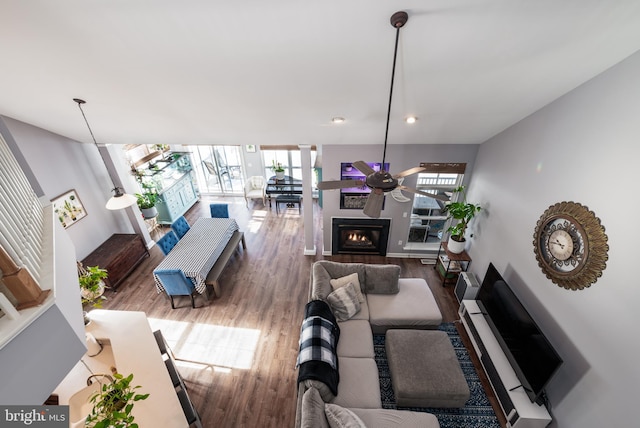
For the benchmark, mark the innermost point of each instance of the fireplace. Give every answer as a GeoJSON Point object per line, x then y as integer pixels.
{"type": "Point", "coordinates": [360, 236]}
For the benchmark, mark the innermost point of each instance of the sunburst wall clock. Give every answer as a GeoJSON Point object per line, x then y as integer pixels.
{"type": "Point", "coordinates": [570, 245]}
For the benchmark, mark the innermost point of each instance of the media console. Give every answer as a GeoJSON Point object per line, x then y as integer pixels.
{"type": "Point", "coordinates": [519, 411]}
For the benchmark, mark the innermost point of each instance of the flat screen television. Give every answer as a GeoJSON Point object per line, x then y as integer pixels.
{"type": "Point", "coordinates": [349, 172]}
{"type": "Point", "coordinates": [531, 355]}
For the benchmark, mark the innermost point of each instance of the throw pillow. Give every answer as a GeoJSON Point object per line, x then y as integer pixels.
{"type": "Point", "coordinates": [312, 414]}
{"type": "Point", "coordinates": [344, 302]}
{"type": "Point", "coordinates": [382, 279]}
{"type": "Point", "coordinates": [341, 282]}
{"type": "Point", "coordinates": [339, 417]}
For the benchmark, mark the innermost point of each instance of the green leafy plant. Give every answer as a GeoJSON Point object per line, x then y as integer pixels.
{"type": "Point", "coordinates": [276, 167]}
{"type": "Point", "coordinates": [112, 405]}
{"type": "Point", "coordinates": [147, 200]}
{"type": "Point", "coordinates": [91, 281]}
{"type": "Point", "coordinates": [463, 212]}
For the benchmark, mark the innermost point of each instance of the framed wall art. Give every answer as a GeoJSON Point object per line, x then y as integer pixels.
{"type": "Point", "coordinates": [68, 208]}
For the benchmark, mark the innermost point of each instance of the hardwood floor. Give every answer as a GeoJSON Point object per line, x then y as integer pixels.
{"type": "Point", "coordinates": [245, 342]}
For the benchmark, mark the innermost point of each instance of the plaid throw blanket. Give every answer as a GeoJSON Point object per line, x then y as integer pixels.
{"type": "Point", "coordinates": [319, 336]}
{"type": "Point", "coordinates": [317, 342]}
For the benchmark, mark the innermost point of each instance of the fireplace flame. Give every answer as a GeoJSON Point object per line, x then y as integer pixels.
{"type": "Point", "coordinates": [356, 237]}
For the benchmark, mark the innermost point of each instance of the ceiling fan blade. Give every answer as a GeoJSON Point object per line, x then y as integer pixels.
{"type": "Point", "coordinates": [373, 207]}
{"type": "Point", "coordinates": [420, 192]}
{"type": "Point", "coordinates": [410, 171]}
{"type": "Point", "coordinates": [339, 184]}
{"type": "Point", "coordinates": [363, 167]}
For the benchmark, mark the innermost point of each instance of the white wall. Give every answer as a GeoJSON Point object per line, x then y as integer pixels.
{"type": "Point", "coordinates": [583, 147]}
{"type": "Point", "coordinates": [400, 158]}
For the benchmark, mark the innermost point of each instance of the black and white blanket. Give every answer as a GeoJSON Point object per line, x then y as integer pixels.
{"type": "Point", "coordinates": [319, 336]}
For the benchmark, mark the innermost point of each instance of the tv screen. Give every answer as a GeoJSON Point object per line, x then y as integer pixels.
{"type": "Point", "coordinates": [349, 172]}
{"type": "Point", "coordinates": [533, 358]}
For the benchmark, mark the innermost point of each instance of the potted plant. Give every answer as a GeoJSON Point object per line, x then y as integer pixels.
{"type": "Point", "coordinates": [91, 280]}
{"type": "Point", "coordinates": [278, 169]}
{"type": "Point", "coordinates": [147, 203]}
{"type": "Point", "coordinates": [112, 405]}
{"type": "Point", "coordinates": [463, 212]}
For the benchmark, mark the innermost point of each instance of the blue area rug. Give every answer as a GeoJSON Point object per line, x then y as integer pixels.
{"type": "Point", "coordinates": [477, 412]}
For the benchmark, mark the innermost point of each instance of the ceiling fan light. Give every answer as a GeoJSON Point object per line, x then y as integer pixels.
{"type": "Point", "coordinates": [382, 180]}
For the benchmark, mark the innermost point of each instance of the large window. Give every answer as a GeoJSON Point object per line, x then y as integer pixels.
{"type": "Point", "coordinates": [428, 221]}
{"type": "Point", "coordinates": [289, 158]}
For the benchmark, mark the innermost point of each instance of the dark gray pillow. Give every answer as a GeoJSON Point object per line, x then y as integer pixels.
{"type": "Point", "coordinates": [381, 279]}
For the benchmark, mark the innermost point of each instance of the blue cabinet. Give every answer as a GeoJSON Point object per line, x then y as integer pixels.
{"type": "Point", "coordinates": [173, 178]}
{"type": "Point", "coordinates": [177, 199]}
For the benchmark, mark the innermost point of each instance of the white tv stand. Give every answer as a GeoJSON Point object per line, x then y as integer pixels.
{"type": "Point", "coordinates": [516, 406]}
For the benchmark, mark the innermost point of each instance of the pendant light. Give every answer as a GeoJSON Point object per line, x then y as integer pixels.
{"type": "Point", "coordinates": [119, 200]}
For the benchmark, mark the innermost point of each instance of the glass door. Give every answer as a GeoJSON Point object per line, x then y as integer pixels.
{"type": "Point", "coordinates": [218, 169]}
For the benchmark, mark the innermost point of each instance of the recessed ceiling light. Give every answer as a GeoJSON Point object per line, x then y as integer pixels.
{"type": "Point", "coordinates": [411, 119]}
{"type": "Point", "coordinates": [337, 119]}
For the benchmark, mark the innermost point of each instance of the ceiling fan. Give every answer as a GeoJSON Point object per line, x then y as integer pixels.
{"type": "Point", "coordinates": [381, 182]}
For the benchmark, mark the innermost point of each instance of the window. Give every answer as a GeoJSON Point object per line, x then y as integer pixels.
{"type": "Point", "coordinates": [428, 221]}
{"type": "Point", "coordinates": [289, 158]}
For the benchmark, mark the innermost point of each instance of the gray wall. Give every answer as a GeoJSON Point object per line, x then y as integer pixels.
{"type": "Point", "coordinates": [60, 164]}
{"type": "Point", "coordinates": [400, 158]}
{"type": "Point", "coordinates": [583, 147]}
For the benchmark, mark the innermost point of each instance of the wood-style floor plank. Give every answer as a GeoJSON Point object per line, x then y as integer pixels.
{"type": "Point", "coordinates": [249, 334]}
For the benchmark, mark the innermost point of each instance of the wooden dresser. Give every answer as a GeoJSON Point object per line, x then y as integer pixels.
{"type": "Point", "coordinates": [119, 255]}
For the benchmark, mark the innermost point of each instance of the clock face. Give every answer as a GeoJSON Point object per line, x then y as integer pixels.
{"type": "Point", "coordinates": [560, 244]}
{"type": "Point", "coordinates": [570, 245]}
{"type": "Point", "coordinates": [563, 245]}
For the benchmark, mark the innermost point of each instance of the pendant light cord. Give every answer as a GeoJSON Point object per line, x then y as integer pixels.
{"type": "Point", "coordinates": [393, 74]}
{"type": "Point", "coordinates": [80, 102]}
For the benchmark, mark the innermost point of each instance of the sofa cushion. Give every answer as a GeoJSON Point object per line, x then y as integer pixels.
{"type": "Point", "coordinates": [344, 302]}
{"type": "Point", "coordinates": [356, 339]}
{"type": "Point", "coordinates": [381, 279]}
{"type": "Point", "coordinates": [343, 281]}
{"type": "Point", "coordinates": [321, 387]}
{"type": "Point", "coordinates": [339, 417]}
{"type": "Point", "coordinates": [383, 418]}
{"type": "Point", "coordinates": [359, 383]}
{"type": "Point", "coordinates": [413, 307]}
{"type": "Point", "coordinates": [324, 271]}
{"type": "Point", "coordinates": [312, 414]}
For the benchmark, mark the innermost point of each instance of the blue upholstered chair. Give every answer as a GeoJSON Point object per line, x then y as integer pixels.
{"type": "Point", "coordinates": [175, 283]}
{"type": "Point", "coordinates": [219, 210]}
{"type": "Point", "coordinates": [167, 242]}
{"type": "Point", "coordinates": [180, 227]}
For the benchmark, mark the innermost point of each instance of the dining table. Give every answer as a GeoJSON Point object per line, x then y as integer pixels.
{"type": "Point", "coordinates": [198, 250]}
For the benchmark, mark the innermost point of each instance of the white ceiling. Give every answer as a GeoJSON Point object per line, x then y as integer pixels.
{"type": "Point", "coordinates": [276, 72]}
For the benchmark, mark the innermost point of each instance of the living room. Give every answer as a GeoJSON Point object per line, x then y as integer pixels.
{"type": "Point", "coordinates": [561, 152]}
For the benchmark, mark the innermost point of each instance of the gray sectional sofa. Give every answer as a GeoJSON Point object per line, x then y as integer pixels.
{"type": "Point", "coordinates": [386, 302]}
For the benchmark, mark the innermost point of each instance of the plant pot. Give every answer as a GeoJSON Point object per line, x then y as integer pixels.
{"type": "Point", "coordinates": [148, 213]}
{"type": "Point", "coordinates": [88, 295]}
{"type": "Point", "coordinates": [456, 247]}
{"type": "Point", "coordinates": [279, 175]}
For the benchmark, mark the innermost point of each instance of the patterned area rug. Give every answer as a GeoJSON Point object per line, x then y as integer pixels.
{"type": "Point", "coordinates": [477, 412]}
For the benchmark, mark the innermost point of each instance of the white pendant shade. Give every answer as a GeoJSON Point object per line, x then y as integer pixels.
{"type": "Point", "coordinates": [121, 201]}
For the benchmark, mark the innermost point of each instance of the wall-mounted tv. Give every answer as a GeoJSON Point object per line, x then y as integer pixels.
{"type": "Point", "coordinates": [349, 172]}
{"type": "Point", "coordinates": [531, 355]}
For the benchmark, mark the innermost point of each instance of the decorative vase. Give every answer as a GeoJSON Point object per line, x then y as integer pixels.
{"type": "Point", "coordinates": [148, 213]}
{"type": "Point", "coordinates": [456, 247]}
{"type": "Point", "coordinates": [89, 295]}
{"type": "Point", "coordinates": [279, 175]}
